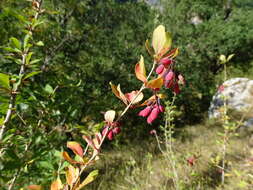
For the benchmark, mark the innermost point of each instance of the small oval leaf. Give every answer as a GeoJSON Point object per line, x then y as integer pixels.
{"type": "Point", "coordinates": [140, 70]}
{"type": "Point", "coordinates": [75, 147]}
{"type": "Point", "coordinates": [110, 115]}
{"type": "Point", "coordinates": [155, 83]}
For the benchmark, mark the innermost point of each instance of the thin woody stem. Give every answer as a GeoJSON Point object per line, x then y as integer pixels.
{"type": "Point", "coordinates": [139, 92]}
{"type": "Point", "coordinates": [108, 129]}
{"type": "Point", "coordinates": [15, 89]}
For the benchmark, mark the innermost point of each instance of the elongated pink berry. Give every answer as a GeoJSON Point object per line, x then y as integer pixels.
{"type": "Point", "coordinates": [168, 84]}
{"type": "Point", "coordinates": [116, 130]}
{"type": "Point", "coordinates": [166, 61]}
{"type": "Point", "coordinates": [145, 112]}
{"type": "Point", "coordinates": [110, 135]}
{"type": "Point", "coordinates": [159, 69]}
{"type": "Point", "coordinates": [153, 115]}
{"type": "Point", "coordinates": [169, 76]}
{"type": "Point", "coordinates": [104, 130]}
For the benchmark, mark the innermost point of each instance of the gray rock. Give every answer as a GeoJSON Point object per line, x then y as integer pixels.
{"type": "Point", "coordinates": [238, 95]}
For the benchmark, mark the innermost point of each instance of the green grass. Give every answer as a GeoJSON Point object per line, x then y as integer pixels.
{"type": "Point", "coordinates": [143, 167]}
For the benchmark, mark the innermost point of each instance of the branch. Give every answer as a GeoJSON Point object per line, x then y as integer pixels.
{"type": "Point", "coordinates": [15, 89]}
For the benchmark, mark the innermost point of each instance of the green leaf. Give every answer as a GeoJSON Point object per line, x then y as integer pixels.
{"type": "Point", "coordinates": [222, 59]}
{"type": "Point", "coordinates": [35, 61]}
{"type": "Point", "coordinates": [1, 120]}
{"type": "Point", "coordinates": [15, 42]}
{"type": "Point", "coordinates": [40, 43]}
{"type": "Point", "coordinates": [9, 49]}
{"type": "Point", "coordinates": [49, 89]}
{"type": "Point", "coordinates": [28, 57]}
{"type": "Point", "coordinates": [46, 164]}
{"type": "Point", "coordinates": [230, 57]}
{"type": "Point", "coordinates": [26, 40]}
{"type": "Point", "coordinates": [4, 81]}
{"type": "Point", "coordinates": [32, 74]}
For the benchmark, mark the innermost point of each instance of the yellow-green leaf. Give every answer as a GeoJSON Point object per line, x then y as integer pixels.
{"type": "Point", "coordinates": [140, 70]}
{"type": "Point", "coordinates": [166, 46]}
{"type": "Point", "coordinates": [71, 174]}
{"type": "Point", "coordinates": [114, 90]}
{"type": "Point", "coordinates": [148, 48]}
{"type": "Point", "coordinates": [155, 83]}
{"type": "Point", "coordinates": [91, 177]}
{"type": "Point", "coordinates": [4, 81]}
{"type": "Point", "coordinates": [222, 59]}
{"type": "Point", "coordinates": [75, 147]}
{"type": "Point", "coordinates": [117, 92]}
{"type": "Point", "coordinates": [230, 57]}
{"type": "Point", "coordinates": [16, 42]}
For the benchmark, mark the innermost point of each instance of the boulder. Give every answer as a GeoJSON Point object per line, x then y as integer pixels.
{"type": "Point", "coordinates": [238, 95]}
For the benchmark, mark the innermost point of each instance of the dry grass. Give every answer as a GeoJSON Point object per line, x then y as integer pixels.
{"type": "Point", "coordinates": [143, 167]}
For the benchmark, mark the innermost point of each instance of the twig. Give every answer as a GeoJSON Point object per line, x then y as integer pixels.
{"type": "Point", "coordinates": [15, 89]}
{"type": "Point", "coordinates": [108, 129]}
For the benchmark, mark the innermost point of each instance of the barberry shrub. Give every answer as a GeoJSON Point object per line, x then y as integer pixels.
{"type": "Point", "coordinates": [162, 74]}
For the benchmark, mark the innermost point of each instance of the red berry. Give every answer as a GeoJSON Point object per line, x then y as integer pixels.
{"type": "Point", "coordinates": [116, 130]}
{"type": "Point", "coordinates": [169, 76]}
{"type": "Point", "coordinates": [159, 69]}
{"type": "Point", "coordinates": [104, 130]}
{"type": "Point", "coordinates": [145, 112]}
{"type": "Point", "coordinates": [153, 115]}
{"type": "Point", "coordinates": [166, 61]}
{"type": "Point", "coordinates": [110, 135]}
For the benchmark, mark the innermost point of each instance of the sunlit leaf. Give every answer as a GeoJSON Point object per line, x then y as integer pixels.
{"type": "Point", "coordinates": [140, 70]}
{"type": "Point", "coordinates": [222, 59]}
{"type": "Point", "coordinates": [49, 89]}
{"type": "Point", "coordinates": [159, 38]}
{"type": "Point", "coordinates": [56, 185]}
{"type": "Point", "coordinates": [28, 57]}
{"type": "Point", "coordinates": [32, 74]}
{"type": "Point", "coordinates": [166, 46]}
{"type": "Point", "coordinates": [40, 43]}
{"type": "Point", "coordinates": [110, 115]}
{"type": "Point", "coordinates": [15, 42]}
{"type": "Point", "coordinates": [118, 93]}
{"type": "Point", "coordinates": [26, 40]}
{"type": "Point", "coordinates": [132, 97]}
{"type": "Point", "coordinates": [71, 174]}
{"type": "Point", "coordinates": [173, 53]}
{"type": "Point", "coordinates": [75, 147]}
{"type": "Point", "coordinates": [149, 48]}
{"type": "Point", "coordinates": [230, 57]}
{"type": "Point", "coordinates": [114, 90]}
{"type": "Point", "coordinates": [122, 96]}
{"type": "Point", "coordinates": [66, 156]}
{"type": "Point", "coordinates": [4, 81]}
{"type": "Point", "coordinates": [91, 177]}
{"type": "Point", "coordinates": [155, 83]}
